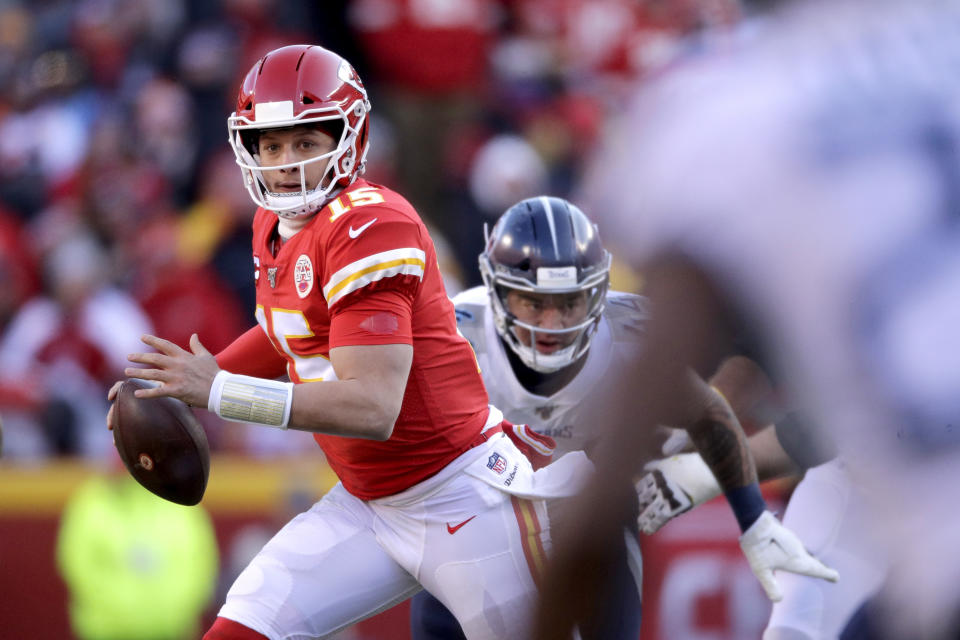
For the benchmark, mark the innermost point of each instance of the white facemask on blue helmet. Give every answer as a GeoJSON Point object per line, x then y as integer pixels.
{"type": "Point", "coordinates": [546, 246]}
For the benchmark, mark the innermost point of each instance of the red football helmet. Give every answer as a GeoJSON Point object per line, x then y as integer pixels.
{"type": "Point", "coordinates": [295, 85]}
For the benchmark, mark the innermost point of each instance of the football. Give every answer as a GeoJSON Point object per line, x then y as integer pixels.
{"type": "Point", "coordinates": [161, 444]}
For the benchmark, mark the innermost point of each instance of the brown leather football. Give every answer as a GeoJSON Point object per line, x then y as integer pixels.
{"type": "Point", "coordinates": [161, 444]}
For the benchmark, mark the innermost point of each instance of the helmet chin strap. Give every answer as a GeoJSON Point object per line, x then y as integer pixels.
{"type": "Point", "coordinates": [543, 362]}
{"type": "Point", "coordinates": [291, 222]}
{"type": "Point", "coordinates": [279, 203]}
{"type": "Point", "coordinates": [549, 363]}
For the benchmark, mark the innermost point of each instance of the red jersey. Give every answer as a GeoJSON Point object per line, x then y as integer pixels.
{"type": "Point", "coordinates": [367, 259]}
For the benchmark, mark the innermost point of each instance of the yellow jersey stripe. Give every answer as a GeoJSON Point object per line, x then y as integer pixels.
{"type": "Point", "coordinates": [406, 260]}
{"type": "Point", "coordinates": [405, 266]}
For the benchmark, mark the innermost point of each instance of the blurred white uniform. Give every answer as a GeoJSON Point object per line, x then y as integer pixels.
{"type": "Point", "coordinates": [827, 511]}
{"type": "Point", "coordinates": [814, 174]}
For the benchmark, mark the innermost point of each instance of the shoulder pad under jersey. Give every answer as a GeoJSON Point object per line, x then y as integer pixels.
{"type": "Point", "coordinates": [471, 306]}
{"type": "Point", "coordinates": [627, 314]}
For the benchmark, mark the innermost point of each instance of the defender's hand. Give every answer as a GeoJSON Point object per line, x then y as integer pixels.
{"type": "Point", "coordinates": [770, 546]}
{"type": "Point", "coordinates": [671, 487]}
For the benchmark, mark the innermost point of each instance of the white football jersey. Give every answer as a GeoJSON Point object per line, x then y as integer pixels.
{"type": "Point", "coordinates": [616, 343]}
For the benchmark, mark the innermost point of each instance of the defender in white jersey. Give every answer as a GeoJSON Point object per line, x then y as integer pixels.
{"type": "Point", "coordinates": [543, 356]}
{"type": "Point", "coordinates": [556, 411]}
{"type": "Point", "coordinates": [809, 182]}
{"type": "Point", "coordinates": [549, 338]}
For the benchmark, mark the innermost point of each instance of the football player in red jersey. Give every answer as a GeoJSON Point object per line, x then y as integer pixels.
{"type": "Point", "coordinates": [351, 307]}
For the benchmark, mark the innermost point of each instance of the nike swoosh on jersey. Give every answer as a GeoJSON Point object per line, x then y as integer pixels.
{"type": "Point", "coordinates": [356, 232]}
{"type": "Point", "coordinates": [454, 529]}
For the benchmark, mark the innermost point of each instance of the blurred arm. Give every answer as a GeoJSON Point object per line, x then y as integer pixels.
{"type": "Point", "coordinates": [683, 333]}
{"type": "Point", "coordinates": [720, 440]}
{"type": "Point", "coordinates": [771, 459]}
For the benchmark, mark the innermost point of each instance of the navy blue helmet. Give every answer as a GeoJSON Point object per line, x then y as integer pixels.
{"type": "Point", "coordinates": [546, 246]}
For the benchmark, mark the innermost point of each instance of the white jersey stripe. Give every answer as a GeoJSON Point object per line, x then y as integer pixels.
{"type": "Point", "coordinates": [358, 274]}
{"type": "Point", "coordinates": [553, 230]}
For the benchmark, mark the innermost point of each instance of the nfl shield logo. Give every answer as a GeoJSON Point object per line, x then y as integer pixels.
{"type": "Point", "coordinates": [497, 462]}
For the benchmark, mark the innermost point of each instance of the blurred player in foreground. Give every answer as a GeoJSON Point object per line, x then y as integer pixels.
{"type": "Point", "coordinates": [351, 306]}
{"type": "Point", "coordinates": [826, 509]}
{"type": "Point", "coordinates": [808, 183]}
{"type": "Point", "coordinates": [547, 333]}
{"type": "Point", "coordinates": [545, 329]}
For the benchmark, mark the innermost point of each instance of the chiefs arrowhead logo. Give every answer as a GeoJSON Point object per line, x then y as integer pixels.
{"type": "Point", "coordinates": [303, 275]}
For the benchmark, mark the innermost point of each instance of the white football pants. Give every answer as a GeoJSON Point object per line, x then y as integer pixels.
{"type": "Point", "coordinates": [471, 543]}
{"type": "Point", "coordinates": [828, 513]}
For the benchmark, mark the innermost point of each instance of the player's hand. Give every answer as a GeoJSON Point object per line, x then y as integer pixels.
{"type": "Point", "coordinates": [181, 374]}
{"type": "Point", "coordinates": [673, 486]}
{"type": "Point", "coordinates": [769, 546]}
{"type": "Point", "coordinates": [111, 396]}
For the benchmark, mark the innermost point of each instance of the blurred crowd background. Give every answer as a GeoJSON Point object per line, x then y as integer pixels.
{"type": "Point", "coordinates": [121, 208]}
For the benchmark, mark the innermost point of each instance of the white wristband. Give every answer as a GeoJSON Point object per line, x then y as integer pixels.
{"type": "Point", "coordinates": [248, 399]}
